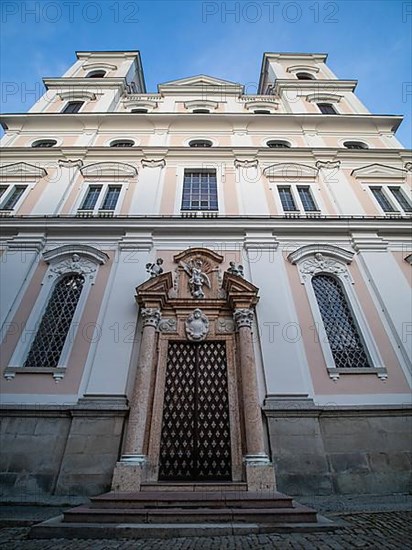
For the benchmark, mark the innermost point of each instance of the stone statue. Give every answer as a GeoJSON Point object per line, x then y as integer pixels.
{"type": "Point", "coordinates": [155, 269]}
{"type": "Point", "coordinates": [197, 278]}
{"type": "Point", "coordinates": [233, 270]}
{"type": "Point", "coordinates": [197, 326]}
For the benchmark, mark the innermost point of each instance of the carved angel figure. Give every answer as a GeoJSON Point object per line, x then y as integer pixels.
{"type": "Point", "coordinates": [197, 278]}
{"type": "Point", "coordinates": [232, 269]}
{"type": "Point", "coordinates": [155, 269]}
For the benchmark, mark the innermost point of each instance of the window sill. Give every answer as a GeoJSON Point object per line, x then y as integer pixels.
{"type": "Point", "coordinates": [335, 373]}
{"type": "Point", "coordinates": [58, 372]}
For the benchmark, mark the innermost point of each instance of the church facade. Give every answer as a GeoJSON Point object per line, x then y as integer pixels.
{"type": "Point", "coordinates": [204, 286]}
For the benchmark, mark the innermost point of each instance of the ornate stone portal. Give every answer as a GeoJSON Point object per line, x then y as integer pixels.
{"type": "Point", "coordinates": [190, 354]}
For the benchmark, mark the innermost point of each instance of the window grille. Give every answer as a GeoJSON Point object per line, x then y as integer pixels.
{"type": "Point", "coordinates": [54, 327]}
{"type": "Point", "coordinates": [199, 190]}
{"type": "Point", "coordinates": [342, 333]}
{"type": "Point", "coordinates": [286, 197]}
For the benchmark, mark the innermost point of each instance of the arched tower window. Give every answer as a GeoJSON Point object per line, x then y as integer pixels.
{"type": "Point", "coordinates": [344, 339]}
{"type": "Point", "coordinates": [54, 327]}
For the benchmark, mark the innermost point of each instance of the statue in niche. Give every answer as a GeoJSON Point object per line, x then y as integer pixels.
{"type": "Point", "coordinates": [197, 278]}
{"type": "Point", "coordinates": [233, 270]}
{"type": "Point", "coordinates": [197, 326]}
{"type": "Point", "coordinates": [155, 269]}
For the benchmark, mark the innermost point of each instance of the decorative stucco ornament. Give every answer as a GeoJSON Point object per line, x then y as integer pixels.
{"type": "Point", "coordinates": [320, 264]}
{"type": "Point", "coordinates": [167, 325]}
{"type": "Point", "coordinates": [75, 264]}
{"type": "Point", "coordinates": [197, 326]}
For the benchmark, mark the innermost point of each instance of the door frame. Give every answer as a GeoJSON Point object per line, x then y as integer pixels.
{"type": "Point", "coordinates": [155, 432]}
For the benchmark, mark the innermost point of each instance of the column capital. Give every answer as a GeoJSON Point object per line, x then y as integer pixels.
{"type": "Point", "coordinates": [151, 316]}
{"type": "Point", "coordinates": [243, 317]}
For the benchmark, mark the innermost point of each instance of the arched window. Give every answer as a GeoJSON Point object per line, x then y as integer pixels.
{"type": "Point", "coordinates": [122, 143]}
{"type": "Point", "coordinates": [96, 74]}
{"type": "Point", "coordinates": [44, 143]}
{"type": "Point", "coordinates": [54, 327]}
{"type": "Point", "coordinates": [355, 145]}
{"type": "Point", "coordinates": [305, 76]}
{"type": "Point", "coordinates": [200, 143]}
{"type": "Point", "coordinates": [278, 144]}
{"type": "Point", "coordinates": [343, 336]}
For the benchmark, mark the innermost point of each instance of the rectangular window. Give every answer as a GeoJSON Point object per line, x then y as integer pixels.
{"type": "Point", "coordinates": [401, 198]}
{"type": "Point", "coordinates": [327, 109]}
{"type": "Point", "coordinates": [3, 189]}
{"type": "Point", "coordinates": [13, 198]}
{"type": "Point", "coordinates": [307, 200]}
{"type": "Point", "coordinates": [199, 190]}
{"type": "Point", "coordinates": [382, 200]}
{"type": "Point", "coordinates": [73, 107]}
{"type": "Point", "coordinates": [285, 194]}
{"type": "Point", "coordinates": [91, 198]}
{"type": "Point", "coordinates": [111, 198]}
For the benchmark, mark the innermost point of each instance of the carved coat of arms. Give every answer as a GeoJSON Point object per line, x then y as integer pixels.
{"type": "Point", "coordinates": [197, 326]}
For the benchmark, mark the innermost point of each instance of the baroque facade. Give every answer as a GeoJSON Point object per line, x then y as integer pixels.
{"type": "Point", "coordinates": [204, 286]}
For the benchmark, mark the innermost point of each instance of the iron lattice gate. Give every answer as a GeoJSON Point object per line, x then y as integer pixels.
{"type": "Point", "coordinates": [195, 441]}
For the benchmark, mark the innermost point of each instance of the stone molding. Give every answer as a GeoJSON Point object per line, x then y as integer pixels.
{"type": "Point", "coordinates": [153, 163]}
{"type": "Point", "coordinates": [328, 164]}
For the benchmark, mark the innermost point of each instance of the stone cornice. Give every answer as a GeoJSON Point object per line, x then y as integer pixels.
{"type": "Point", "coordinates": [153, 294]}
{"type": "Point", "coordinates": [241, 294]}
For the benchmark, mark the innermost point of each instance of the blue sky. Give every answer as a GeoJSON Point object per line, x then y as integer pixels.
{"type": "Point", "coordinates": [368, 41]}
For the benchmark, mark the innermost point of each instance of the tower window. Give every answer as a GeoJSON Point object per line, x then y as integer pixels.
{"type": "Point", "coordinates": [96, 74]}
{"type": "Point", "coordinates": [44, 143]}
{"type": "Point", "coordinates": [139, 111]}
{"type": "Point", "coordinates": [122, 143]}
{"type": "Point", "coordinates": [261, 112]}
{"type": "Point", "coordinates": [199, 190]}
{"type": "Point", "coordinates": [278, 144]}
{"type": "Point", "coordinates": [327, 109]}
{"type": "Point", "coordinates": [304, 76]}
{"type": "Point", "coordinates": [55, 324]}
{"type": "Point", "coordinates": [355, 145]}
{"type": "Point", "coordinates": [201, 111]}
{"type": "Point", "coordinates": [341, 330]}
{"type": "Point", "coordinates": [200, 143]}
{"type": "Point", "coordinates": [73, 107]}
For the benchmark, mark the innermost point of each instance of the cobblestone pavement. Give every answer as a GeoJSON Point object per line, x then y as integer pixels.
{"type": "Point", "coordinates": [383, 530]}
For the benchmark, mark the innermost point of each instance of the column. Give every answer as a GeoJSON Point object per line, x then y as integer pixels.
{"type": "Point", "coordinates": [129, 472]}
{"type": "Point", "coordinates": [260, 475]}
{"type": "Point", "coordinates": [133, 449]}
{"type": "Point", "coordinates": [255, 443]}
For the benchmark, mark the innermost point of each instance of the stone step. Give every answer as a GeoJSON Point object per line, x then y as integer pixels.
{"type": "Point", "coordinates": [194, 487]}
{"type": "Point", "coordinates": [85, 514]}
{"type": "Point", "coordinates": [186, 499]}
